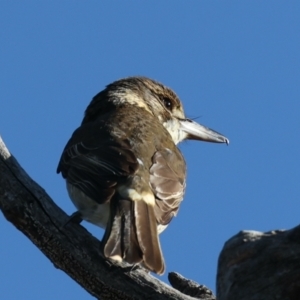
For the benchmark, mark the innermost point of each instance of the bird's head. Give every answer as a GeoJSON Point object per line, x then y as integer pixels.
{"type": "Point", "coordinates": [161, 102]}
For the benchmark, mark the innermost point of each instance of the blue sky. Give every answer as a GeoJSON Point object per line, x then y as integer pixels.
{"type": "Point", "coordinates": [234, 64]}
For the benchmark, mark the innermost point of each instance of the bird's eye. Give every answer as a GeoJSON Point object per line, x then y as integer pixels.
{"type": "Point", "coordinates": [167, 103]}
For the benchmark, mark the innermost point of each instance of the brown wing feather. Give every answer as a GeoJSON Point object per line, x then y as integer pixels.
{"type": "Point", "coordinates": [94, 163]}
{"type": "Point", "coordinates": [167, 179]}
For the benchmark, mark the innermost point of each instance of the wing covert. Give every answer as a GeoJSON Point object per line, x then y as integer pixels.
{"type": "Point", "coordinates": [167, 179]}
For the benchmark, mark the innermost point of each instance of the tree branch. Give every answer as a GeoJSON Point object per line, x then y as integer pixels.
{"type": "Point", "coordinates": [72, 248]}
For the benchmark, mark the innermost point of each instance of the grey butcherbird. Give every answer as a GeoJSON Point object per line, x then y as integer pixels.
{"type": "Point", "coordinates": [123, 170]}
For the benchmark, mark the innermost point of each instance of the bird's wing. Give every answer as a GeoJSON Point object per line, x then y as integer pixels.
{"type": "Point", "coordinates": [167, 179]}
{"type": "Point", "coordinates": [93, 162]}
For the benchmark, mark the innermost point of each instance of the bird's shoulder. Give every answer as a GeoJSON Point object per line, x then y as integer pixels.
{"type": "Point", "coordinates": [92, 146]}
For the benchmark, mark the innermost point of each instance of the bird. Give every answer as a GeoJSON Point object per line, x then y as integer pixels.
{"type": "Point", "coordinates": [124, 171]}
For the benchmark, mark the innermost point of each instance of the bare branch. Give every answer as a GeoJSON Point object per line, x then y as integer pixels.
{"type": "Point", "coordinates": [190, 287]}
{"type": "Point", "coordinates": [71, 248]}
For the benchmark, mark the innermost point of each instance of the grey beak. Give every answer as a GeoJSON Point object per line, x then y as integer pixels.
{"type": "Point", "coordinates": [195, 131]}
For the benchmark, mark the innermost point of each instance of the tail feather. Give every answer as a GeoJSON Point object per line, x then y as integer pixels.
{"type": "Point", "coordinates": [120, 240]}
{"type": "Point", "coordinates": [112, 237]}
{"type": "Point", "coordinates": [131, 249]}
{"type": "Point", "coordinates": [147, 235]}
{"type": "Point", "coordinates": [131, 235]}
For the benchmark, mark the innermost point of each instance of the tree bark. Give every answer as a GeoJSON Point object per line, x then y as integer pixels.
{"type": "Point", "coordinates": [260, 266]}
{"type": "Point", "coordinates": [73, 249]}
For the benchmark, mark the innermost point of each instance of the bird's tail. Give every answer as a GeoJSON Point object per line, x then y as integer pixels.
{"type": "Point", "coordinates": [131, 235]}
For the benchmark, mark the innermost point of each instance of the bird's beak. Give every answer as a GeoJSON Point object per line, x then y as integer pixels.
{"type": "Point", "coordinates": [195, 131]}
